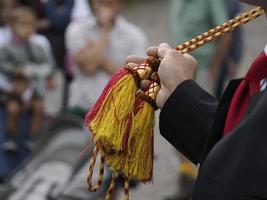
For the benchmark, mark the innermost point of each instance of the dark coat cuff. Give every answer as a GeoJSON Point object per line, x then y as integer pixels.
{"type": "Point", "coordinates": [186, 119]}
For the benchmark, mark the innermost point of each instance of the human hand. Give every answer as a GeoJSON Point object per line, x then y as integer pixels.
{"type": "Point", "coordinates": [51, 83]}
{"type": "Point", "coordinates": [43, 24]}
{"type": "Point", "coordinates": [88, 58]}
{"type": "Point", "coordinates": [133, 61]}
{"type": "Point", "coordinates": [174, 69]}
{"type": "Point", "coordinates": [89, 69]}
{"type": "Point", "coordinates": [109, 66]}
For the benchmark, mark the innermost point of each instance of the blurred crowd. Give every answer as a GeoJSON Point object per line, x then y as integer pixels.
{"type": "Point", "coordinates": [86, 41]}
{"type": "Point", "coordinates": [40, 38]}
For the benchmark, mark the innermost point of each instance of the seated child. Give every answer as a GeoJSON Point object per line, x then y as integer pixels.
{"type": "Point", "coordinates": [24, 71]}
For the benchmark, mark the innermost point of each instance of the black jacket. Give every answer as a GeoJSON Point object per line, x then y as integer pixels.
{"type": "Point", "coordinates": [232, 167]}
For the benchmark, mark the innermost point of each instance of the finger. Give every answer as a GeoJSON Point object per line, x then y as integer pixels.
{"type": "Point", "coordinates": [135, 59]}
{"type": "Point", "coordinates": [161, 99]}
{"type": "Point", "coordinates": [191, 58]}
{"type": "Point", "coordinates": [152, 51]}
{"type": "Point", "coordinates": [188, 56]}
{"type": "Point", "coordinates": [145, 84]}
{"type": "Point", "coordinates": [132, 65]}
{"type": "Point", "coordinates": [163, 49]}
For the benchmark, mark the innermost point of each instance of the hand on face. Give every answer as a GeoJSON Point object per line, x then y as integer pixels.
{"type": "Point", "coordinates": [174, 69]}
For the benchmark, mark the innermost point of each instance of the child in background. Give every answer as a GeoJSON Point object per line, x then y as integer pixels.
{"type": "Point", "coordinates": [24, 70]}
{"type": "Point", "coordinates": [98, 46]}
{"type": "Point", "coordinates": [6, 7]}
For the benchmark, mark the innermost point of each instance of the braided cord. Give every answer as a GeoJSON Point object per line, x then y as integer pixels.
{"type": "Point", "coordinates": [126, 188]}
{"type": "Point", "coordinates": [95, 188]}
{"type": "Point", "coordinates": [203, 39]}
{"type": "Point", "coordinates": [112, 185]}
{"type": "Point", "coordinates": [219, 31]}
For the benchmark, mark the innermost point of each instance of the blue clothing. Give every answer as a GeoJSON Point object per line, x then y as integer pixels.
{"type": "Point", "coordinates": [59, 13]}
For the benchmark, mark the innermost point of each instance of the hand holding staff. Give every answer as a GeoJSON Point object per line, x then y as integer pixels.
{"type": "Point", "coordinates": [122, 120]}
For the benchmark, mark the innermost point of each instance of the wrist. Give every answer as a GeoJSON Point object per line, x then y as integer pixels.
{"type": "Point", "coordinates": [163, 96]}
{"type": "Point", "coordinates": [166, 93]}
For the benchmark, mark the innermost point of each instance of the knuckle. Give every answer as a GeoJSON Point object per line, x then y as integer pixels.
{"type": "Point", "coordinates": [173, 52]}
{"type": "Point", "coordinates": [164, 44]}
{"type": "Point", "coordinates": [131, 64]}
{"type": "Point", "coordinates": [191, 59]}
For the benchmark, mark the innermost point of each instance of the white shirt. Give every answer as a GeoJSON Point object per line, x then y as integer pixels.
{"type": "Point", "coordinates": [81, 10]}
{"type": "Point", "coordinates": [263, 83]}
{"type": "Point", "coordinates": [6, 36]}
{"type": "Point", "coordinates": [125, 39]}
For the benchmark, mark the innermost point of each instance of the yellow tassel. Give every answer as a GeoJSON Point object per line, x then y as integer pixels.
{"type": "Point", "coordinates": [110, 124]}
{"type": "Point", "coordinates": [140, 155]}
{"type": "Point", "coordinates": [116, 161]}
{"type": "Point", "coordinates": [137, 161]}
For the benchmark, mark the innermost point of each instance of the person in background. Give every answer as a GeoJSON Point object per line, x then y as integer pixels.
{"type": "Point", "coordinates": [53, 18]}
{"type": "Point", "coordinates": [6, 7]}
{"type": "Point", "coordinates": [98, 48]}
{"type": "Point", "coordinates": [188, 18]}
{"type": "Point", "coordinates": [229, 68]}
{"type": "Point", "coordinates": [81, 10]}
{"type": "Point", "coordinates": [53, 23]}
{"type": "Point", "coordinates": [25, 72]}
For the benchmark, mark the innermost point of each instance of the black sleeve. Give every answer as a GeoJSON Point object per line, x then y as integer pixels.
{"type": "Point", "coordinates": [186, 119]}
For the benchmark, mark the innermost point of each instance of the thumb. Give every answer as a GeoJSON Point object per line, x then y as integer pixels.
{"type": "Point", "coordinates": [163, 49]}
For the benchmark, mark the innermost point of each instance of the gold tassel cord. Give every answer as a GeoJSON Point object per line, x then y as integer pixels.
{"type": "Point", "coordinates": [233, 22]}
{"type": "Point", "coordinates": [215, 33]}
{"type": "Point", "coordinates": [114, 114]}
{"type": "Point", "coordinates": [110, 119]}
{"type": "Point", "coordinates": [140, 154]}
{"type": "Point", "coordinates": [95, 188]}
{"type": "Point", "coordinates": [112, 185]}
{"type": "Point", "coordinates": [126, 188]}
{"type": "Point", "coordinates": [223, 29]}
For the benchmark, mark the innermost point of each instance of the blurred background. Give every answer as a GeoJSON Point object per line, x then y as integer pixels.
{"type": "Point", "coordinates": [56, 56]}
